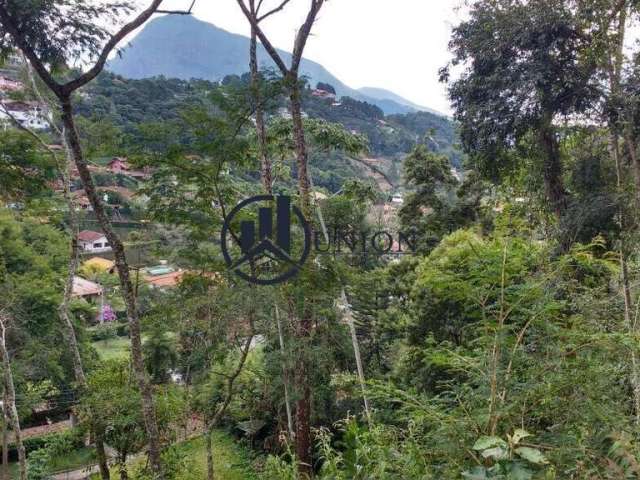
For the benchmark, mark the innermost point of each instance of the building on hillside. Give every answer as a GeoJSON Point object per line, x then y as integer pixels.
{"type": "Point", "coordinates": [33, 115]}
{"type": "Point", "coordinates": [283, 112]}
{"type": "Point", "coordinates": [163, 276]}
{"type": "Point", "coordinates": [120, 165]}
{"type": "Point", "coordinates": [90, 241]}
{"type": "Point", "coordinates": [100, 264]}
{"type": "Point", "coordinates": [457, 174]}
{"type": "Point", "coordinates": [85, 288]}
{"type": "Point", "coordinates": [319, 93]}
{"type": "Point", "coordinates": [81, 200]}
{"type": "Point", "coordinates": [9, 85]}
{"type": "Point", "coordinates": [398, 199]}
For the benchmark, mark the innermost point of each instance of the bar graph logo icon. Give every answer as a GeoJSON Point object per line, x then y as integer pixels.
{"type": "Point", "coordinates": [266, 257]}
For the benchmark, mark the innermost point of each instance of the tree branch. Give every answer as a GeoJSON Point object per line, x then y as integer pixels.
{"type": "Point", "coordinates": [271, 12]}
{"type": "Point", "coordinates": [268, 46]}
{"type": "Point", "coordinates": [10, 27]}
{"type": "Point", "coordinates": [303, 34]}
{"type": "Point", "coordinates": [86, 77]}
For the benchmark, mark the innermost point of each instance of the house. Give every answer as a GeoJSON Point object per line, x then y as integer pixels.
{"type": "Point", "coordinates": [9, 85]}
{"type": "Point", "coordinates": [81, 200]}
{"type": "Point", "coordinates": [120, 165]}
{"type": "Point", "coordinates": [318, 196]}
{"type": "Point", "coordinates": [99, 264]}
{"type": "Point", "coordinates": [90, 241]}
{"type": "Point", "coordinates": [397, 199]}
{"type": "Point", "coordinates": [319, 93]}
{"type": "Point", "coordinates": [85, 288]}
{"type": "Point", "coordinates": [163, 276]}
{"type": "Point", "coordinates": [33, 115]}
{"type": "Point", "coordinates": [83, 203]}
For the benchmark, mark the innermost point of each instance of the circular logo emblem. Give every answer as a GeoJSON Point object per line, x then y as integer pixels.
{"type": "Point", "coordinates": [262, 254]}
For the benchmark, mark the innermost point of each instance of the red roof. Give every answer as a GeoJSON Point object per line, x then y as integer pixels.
{"type": "Point", "coordinates": [167, 280]}
{"type": "Point", "coordinates": [89, 236]}
{"type": "Point", "coordinates": [83, 287]}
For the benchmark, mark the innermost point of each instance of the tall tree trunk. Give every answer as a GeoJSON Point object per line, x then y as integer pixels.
{"type": "Point", "coordinates": [124, 473]}
{"type": "Point", "coordinates": [10, 397]}
{"type": "Point", "coordinates": [285, 375]}
{"type": "Point", "coordinates": [148, 406]}
{"type": "Point", "coordinates": [302, 159]}
{"type": "Point", "coordinates": [209, 448]}
{"type": "Point", "coordinates": [5, 439]}
{"type": "Point", "coordinates": [304, 328]}
{"type": "Point", "coordinates": [615, 63]}
{"type": "Point", "coordinates": [266, 177]}
{"type": "Point", "coordinates": [265, 161]}
{"type": "Point", "coordinates": [552, 167]}
{"type": "Point", "coordinates": [64, 312]}
{"type": "Point", "coordinates": [635, 161]}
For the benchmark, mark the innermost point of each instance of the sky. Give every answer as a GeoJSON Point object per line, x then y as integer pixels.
{"type": "Point", "coordinates": [395, 44]}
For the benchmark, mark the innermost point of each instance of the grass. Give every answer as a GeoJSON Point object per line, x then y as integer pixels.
{"type": "Point", "coordinates": [70, 461]}
{"type": "Point", "coordinates": [118, 347]}
{"type": "Point", "coordinates": [231, 460]}
{"type": "Point", "coordinates": [76, 459]}
{"type": "Point", "coordinates": [112, 348]}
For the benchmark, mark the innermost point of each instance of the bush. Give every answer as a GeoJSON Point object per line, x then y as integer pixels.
{"type": "Point", "coordinates": [122, 329]}
{"type": "Point", "coordinates": [103, 332]}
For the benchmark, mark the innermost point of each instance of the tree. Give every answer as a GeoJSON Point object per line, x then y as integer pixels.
{"type": "Point", "coordinates": [50, 34]}
{"type": "Point", "coordinates": [23, 167]}
{"type": "Point", "coordinates": [427, 209]}
{"type": "Point", "coordinates": [10, 391]}
{"type": "Point", "coordinates": [525, 65]}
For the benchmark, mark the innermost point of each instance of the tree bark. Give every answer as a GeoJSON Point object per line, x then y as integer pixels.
{"type": "Point", "coordinates": [10, 397]}
{"type": "Point", "coordinates": [285, 375]}
{"type": "Point", "coordinates": [122, 267]}
{"type": "Point", "coordinates": [5, 439]}
{"type": "Point", "coordinates": [209, 448]}
{"type": "Point", "coordinates": [552, 167]}
{"type": "Point", "coordinates": [615, 63]}
{"type": "Point", "coordinates": [265, 161]}
{"type": "Point", "coordinates": [63, 309]}
{"type": "Point", "coordinates": [302, 159]}
{"type": "Point", "coordinates": [304, 327]}
{"type": "Point", "coordinates": [124, 473]}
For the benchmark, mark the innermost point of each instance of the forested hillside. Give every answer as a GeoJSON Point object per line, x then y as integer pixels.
{"type": "Point", "coordinates": [257, 279]}
{"type": "Point", "coordinates": [185, 47]}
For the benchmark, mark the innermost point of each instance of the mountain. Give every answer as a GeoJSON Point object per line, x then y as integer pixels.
{"type": "Point", "coordinates": [181, 46]}
{"type": "Point", "coordinates": [383, 95]}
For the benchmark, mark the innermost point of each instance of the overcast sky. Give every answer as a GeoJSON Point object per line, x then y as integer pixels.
{"type": "Point", "coordinates": [394, 44]}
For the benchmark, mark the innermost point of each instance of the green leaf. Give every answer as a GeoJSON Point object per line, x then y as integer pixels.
{"type": "Point", "coordinates": [478, 473]}
{"type": "Point", "coordinates": [519, 472]}
{"type": "Point", "coordinates": [498, 453]}
{"type": "Point", "coordinates": [487, 442]}
{"type": "Point", "coordinates": [518, 435]}
{"type": "Point", "coordinates": [532, 455]}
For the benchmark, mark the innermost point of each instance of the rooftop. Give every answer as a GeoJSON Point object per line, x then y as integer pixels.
{"type": "Point", "coordinates": [83, 287]}
{"type": "Point", "coordinates": [89, 236]}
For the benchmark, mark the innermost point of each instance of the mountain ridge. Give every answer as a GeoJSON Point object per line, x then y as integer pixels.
{"type": "Point", "coordinates": [183, 47]}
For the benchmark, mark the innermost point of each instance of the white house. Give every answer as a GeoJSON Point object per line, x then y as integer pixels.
{"type": "Point", "coordinates": [31, 115]}
{"type": "Point", "coordinates": [95, 242]}
{"type": "Point", "coordinates": [398, 199]}
{"type": "Point", "coordinates": [9, 85]}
